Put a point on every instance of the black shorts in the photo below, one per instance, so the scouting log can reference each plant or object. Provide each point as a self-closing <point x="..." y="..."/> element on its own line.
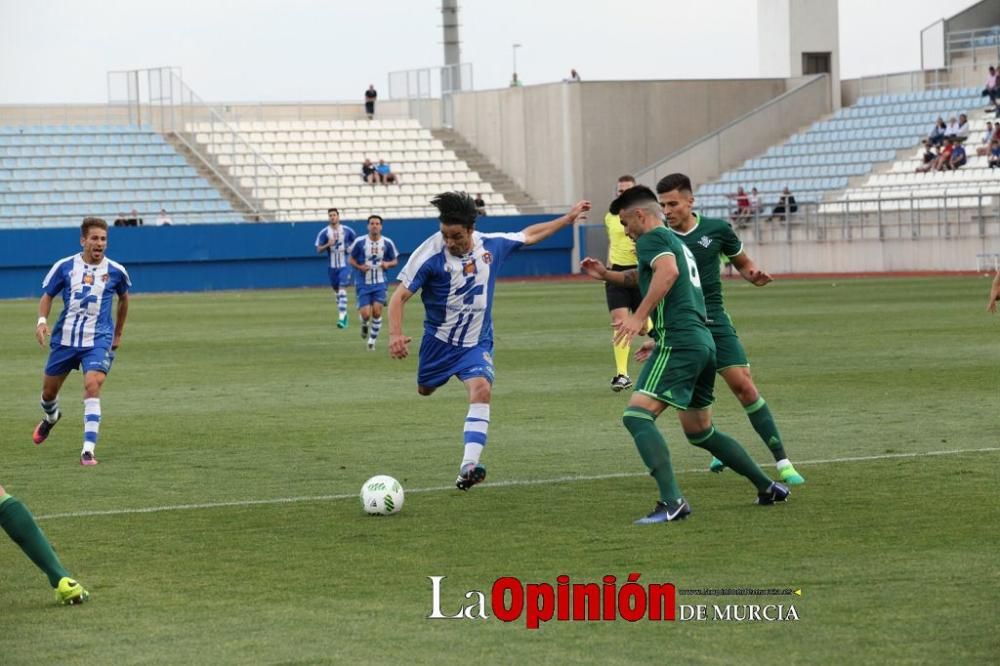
<point x="622" y="297"/>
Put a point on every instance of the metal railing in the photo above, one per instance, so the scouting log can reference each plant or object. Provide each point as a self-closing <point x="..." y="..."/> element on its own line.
<point x="158" y="98"/>
<point x="956" y="76"/>
<point x="980" y="44"/>
<point x="951" y="215"/>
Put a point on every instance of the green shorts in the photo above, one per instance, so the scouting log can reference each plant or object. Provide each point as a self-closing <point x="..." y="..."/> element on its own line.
<point x="682" y="378"/>
<point x="729" y="350"/>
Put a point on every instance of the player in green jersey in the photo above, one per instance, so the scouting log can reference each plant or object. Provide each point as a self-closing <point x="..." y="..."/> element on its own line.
<point x="680" y="359"/>
<point x="709" y="241"/>
<point x="20" y="526"/>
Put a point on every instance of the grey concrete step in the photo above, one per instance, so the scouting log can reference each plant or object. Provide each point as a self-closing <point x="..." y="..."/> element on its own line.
<point x="498" y="180"/>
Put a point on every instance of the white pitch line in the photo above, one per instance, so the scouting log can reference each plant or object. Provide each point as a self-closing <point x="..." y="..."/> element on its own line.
<point x="497" y="484"/>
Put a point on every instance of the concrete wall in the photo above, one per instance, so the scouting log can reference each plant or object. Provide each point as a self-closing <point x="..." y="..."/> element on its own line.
<point x="788" y="28"/>
<point x="871" y="255"/>
<point x="746" y="137"/>
<point x="562" y="141"/>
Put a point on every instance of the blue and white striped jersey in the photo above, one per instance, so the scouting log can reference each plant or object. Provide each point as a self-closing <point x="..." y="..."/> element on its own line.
<point x="87" y="292"/>
<point x="343" y="238"/>
<point x="458" y="291"/>
<point x="371" y="252"/>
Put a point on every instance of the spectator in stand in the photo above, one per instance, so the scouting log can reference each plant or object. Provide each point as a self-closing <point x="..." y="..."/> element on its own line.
<point x="574" y="76"/>
<point x="480" y="205"/>
<point x="385" y="174"/>
<point x="786" y="206"/>
<point x="984" y="144"/>
<point x="164" y="219"/>
<point x="120" y="220"/>
<point x="936" y="136"/>
<point x="942" y="160"/>
<point x="742" y="213"/>
<point x="951" y="131"/>
<point x="994" y="158"/>
<point x="930" y="154"/>
<point x="992" y="88"/>
<point x="755" y="205"/>
<point x="958" y="158"/>
<point x="368" y="172"/>
<point x="370" y="96"/>
<point x="963" y="128"/>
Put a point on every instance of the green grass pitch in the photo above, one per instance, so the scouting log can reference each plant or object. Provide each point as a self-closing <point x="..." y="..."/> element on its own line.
<point x="246" y="424"/>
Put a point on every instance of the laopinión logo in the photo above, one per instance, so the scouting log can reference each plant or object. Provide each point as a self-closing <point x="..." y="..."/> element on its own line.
<point x="509" y="600"/>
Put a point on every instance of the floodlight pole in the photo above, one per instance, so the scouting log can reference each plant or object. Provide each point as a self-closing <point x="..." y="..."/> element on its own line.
<point x="514" y="49"/>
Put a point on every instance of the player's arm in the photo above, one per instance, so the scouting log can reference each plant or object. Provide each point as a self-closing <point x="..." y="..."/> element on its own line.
<point x="42" y="328"/>
<point x="665" y="273"/>
<point x="536" y="233"/>
<point x="598" y="271"/>
<point x="991" y="306"/>
<point x="749" y="270"/>
<point x="120" y="317"/>
<point x="360" y="267"/>
<point x="397" y="340"/>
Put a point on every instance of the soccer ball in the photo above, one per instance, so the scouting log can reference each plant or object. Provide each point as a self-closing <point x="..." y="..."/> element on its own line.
<point x="381" y="495"/>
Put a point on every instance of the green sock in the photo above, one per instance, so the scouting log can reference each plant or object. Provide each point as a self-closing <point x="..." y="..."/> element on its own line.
<point x="641" y="424"/>
<point x="762" y="421"/>
<point x="20" y="526"/>
<point x="729" y="451"/>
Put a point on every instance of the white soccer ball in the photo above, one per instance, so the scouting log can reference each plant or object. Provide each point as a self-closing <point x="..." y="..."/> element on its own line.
<point x="381" y="495"/>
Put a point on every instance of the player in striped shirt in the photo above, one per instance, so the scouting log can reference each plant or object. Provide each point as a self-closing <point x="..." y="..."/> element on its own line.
<point x="85" y="336"/>
<point x="372" y="255"/>
<point x="335" y="239"/>
<point x="456" y="272"/>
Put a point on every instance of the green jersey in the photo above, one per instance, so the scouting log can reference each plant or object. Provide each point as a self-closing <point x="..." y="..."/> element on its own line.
<point x="709" y="240"/>
<point x="679" y="319"/>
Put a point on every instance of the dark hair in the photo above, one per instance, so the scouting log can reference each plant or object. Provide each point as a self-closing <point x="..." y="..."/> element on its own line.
<point x="90" y="222"/>
<point x="375" y="217"/>
<point x="674" y="181"/>
<point x="626" y="179"/>
<point x="456" y="208"/>
<point x="632" y="196"/>
<point x="332" y="210"/>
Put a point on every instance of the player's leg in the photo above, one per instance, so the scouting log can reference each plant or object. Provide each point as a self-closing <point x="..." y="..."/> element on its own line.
<point x="618" y="308"/>
<point x="93" y="381"/>
<point x="61" y="361"/>
<point x="338" y="282"/>
<point x="696" y="421"/>
<point x="364" y="314"/>
<point x="376" y="318"/>
<point x="20" y="526"/>
<point x="740" y="382"/>
<point x="474" y="367"/>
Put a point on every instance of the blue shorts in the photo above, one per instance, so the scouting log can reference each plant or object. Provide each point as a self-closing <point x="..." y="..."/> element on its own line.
<point x="62" y="360"/>
<point x="339" y="277"/>
<point x="369" y="294"/>
<point x="439" y="362"/>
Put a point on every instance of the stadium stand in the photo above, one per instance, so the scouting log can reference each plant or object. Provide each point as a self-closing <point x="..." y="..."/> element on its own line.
<point x="319" y="163"/>
<point x="54" y="175"/>
<point x="819" y="164"/>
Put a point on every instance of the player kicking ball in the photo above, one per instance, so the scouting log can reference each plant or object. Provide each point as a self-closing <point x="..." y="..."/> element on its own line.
<point x="455" y="271"/>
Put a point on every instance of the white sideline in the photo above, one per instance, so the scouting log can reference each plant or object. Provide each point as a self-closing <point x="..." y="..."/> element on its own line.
<point x="498" y="484"/>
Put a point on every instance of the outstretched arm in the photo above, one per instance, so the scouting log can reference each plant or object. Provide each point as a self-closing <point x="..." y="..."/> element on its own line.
<point x="397" y="341"/>
<point x="599" y="271"/>
<point x="994" y="293"/>
<point x="749" y="270"/>
<point x="536" y="233"/>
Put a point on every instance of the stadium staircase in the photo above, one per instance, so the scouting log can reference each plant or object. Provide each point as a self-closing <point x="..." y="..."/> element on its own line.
<point x="54" y="175"/>
<point x="501" y="182"/>
<point x="863" y="151"/>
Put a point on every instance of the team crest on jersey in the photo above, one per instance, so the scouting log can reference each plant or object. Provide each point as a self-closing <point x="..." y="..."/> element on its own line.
<point x="469" y="268"/>
<point x="704" y="241"/>
<point x="105" y="277"/>
<point x="88" y="278"/>
<point x="487" y="258"/>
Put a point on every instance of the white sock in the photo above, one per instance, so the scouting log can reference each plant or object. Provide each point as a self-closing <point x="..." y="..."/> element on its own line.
<point x="91" y="423"/>
<point x="477" y="423"/>
<point x="783" y="463"/>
